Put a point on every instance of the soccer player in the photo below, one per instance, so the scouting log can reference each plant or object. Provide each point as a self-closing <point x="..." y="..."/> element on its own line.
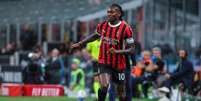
<point x="116" y="41"/>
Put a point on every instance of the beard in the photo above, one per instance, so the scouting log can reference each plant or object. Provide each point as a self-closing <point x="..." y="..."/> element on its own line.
<point x="112" y="20"/>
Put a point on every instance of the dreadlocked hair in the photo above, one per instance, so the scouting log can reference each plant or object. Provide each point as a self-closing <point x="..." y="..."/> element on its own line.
<point x="119" y="8"/>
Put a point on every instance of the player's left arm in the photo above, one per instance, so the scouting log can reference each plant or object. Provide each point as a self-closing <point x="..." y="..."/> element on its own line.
<point x="129" y="50"/>
<point x="129" y="43"/>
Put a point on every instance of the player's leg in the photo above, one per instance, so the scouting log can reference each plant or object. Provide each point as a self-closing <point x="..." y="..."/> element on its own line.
<point x="121" y="91"/>
<point x="128" y="86"/>
<point x="104" y="79"/>
<point x="119" y="84"/>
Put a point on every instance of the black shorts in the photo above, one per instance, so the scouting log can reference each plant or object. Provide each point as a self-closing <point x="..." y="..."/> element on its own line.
<point x="117" y="76"/>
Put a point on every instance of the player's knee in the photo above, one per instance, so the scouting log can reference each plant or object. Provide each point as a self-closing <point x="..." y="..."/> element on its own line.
<point x="121" y="95"/>
<point x="104" y="84"/>
<point x="121" y="92"/>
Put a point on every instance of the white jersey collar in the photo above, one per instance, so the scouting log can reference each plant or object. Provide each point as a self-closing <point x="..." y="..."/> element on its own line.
<point x="115" y="24"/>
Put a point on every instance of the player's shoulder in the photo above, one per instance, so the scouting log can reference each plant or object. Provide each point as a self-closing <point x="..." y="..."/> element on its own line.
<point x="128" y="27"/>
<point x="126" y="23"/>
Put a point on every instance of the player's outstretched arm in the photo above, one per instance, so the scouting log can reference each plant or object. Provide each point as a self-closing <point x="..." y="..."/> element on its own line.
<point x="90" y="38"/>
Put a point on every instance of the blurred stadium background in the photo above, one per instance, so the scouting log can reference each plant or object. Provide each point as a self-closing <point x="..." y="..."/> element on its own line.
<point x="29" y="26"/>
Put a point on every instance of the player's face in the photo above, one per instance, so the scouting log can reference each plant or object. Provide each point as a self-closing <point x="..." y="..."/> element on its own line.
<point x="113" y="14"/>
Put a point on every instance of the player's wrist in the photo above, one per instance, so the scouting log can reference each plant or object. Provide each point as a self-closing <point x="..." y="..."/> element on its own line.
<point x="119" y="51"/>
<point x="116" y="51"/>
<point x="80" y="43"/>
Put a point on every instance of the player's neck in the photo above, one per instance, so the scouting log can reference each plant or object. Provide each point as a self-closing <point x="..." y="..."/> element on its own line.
<point x="115" y="23"/>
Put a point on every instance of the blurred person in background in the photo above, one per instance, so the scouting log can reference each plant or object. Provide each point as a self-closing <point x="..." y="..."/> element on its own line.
<point x="158" y="60"/>
<point x="77" y="54"/>
<point x="35" y="70"/>
<point x="142" y="74"/>
<point x="114" y="33"/>
<point x="93" y="48"/>
<point x="86" y="58"/>
<point x="77" y="82"/>
<point x="160" y="69"/>
<point x="9" y="49"/>
<point x="146" y="73"/>
<point x="86" y="65"/>
<point x="54" y="68"/>
<point x="136" y="72"/>
<point x="184" y="73"/>
<point x="65" y="61"/>
<point x="71" y="55"/>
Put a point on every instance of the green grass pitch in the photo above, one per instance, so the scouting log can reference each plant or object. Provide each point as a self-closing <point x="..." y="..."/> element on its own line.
<point x="51" y="99"/>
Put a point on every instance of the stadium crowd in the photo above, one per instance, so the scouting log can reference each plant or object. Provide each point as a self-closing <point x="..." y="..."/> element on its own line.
<point x="150" y="69"/>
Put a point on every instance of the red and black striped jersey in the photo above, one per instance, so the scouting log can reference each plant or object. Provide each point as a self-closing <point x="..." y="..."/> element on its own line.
<point x="114" y="36"/>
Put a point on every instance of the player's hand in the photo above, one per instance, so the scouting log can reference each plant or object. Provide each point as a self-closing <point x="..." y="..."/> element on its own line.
<point x="111" y="51"/>
<point x="75" y="46"/>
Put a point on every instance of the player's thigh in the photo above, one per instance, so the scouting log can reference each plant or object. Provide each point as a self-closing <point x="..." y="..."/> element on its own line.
<point x="119" y="80"/>
<point x="121" y="90"/>
<point x="118" y="77"/>
<point x="104" y="79"/>
<point x="104" y="75"/>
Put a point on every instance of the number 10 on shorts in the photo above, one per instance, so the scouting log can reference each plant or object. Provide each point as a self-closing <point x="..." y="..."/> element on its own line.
<point x="121" y="76"/>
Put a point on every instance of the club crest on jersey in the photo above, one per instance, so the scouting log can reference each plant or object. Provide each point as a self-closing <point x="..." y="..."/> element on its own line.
<point x="103" y="31"/>
<point x="109" y="41"/>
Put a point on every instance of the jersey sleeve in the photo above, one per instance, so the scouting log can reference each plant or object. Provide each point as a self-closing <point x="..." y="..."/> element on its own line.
<point x="129" y="35"/>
